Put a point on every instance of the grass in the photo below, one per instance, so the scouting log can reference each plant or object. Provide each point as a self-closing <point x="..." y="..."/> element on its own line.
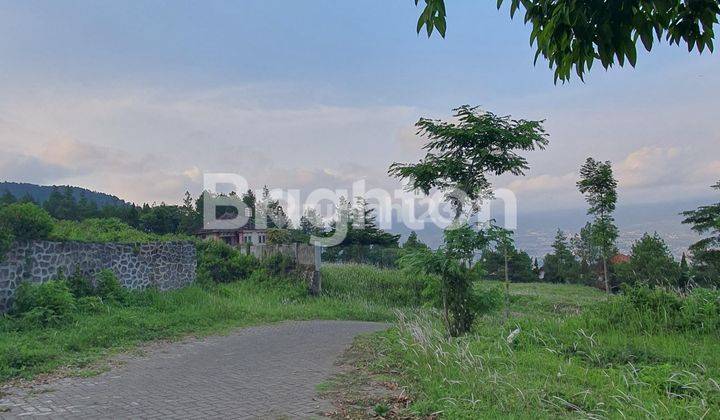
<point x="561" y="364"/>
<point x="573" y="352"/>
<point x="151" y="315"/>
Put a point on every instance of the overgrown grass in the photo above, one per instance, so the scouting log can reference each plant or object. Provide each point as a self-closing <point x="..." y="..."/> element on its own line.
<point x="106" y="230"/>
<point x="373" y="285"/>
<point x="98" y="329"/>
<point x="564" y="362"/>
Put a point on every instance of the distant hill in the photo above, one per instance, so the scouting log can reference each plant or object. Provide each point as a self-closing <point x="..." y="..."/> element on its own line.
<point x="40" y="193"/>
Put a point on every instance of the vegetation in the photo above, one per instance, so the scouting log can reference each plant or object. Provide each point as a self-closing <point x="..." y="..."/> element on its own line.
<point x="706" y="252"/>
<point x="572" y="35"/>
<point x="221" y="263"/>
<point x="25" y="221"/>
<point x="460" y="156"/>
<point x="561" y="266"/>
<point x="105" y="230"/>
<point x="567" y="352"/>
<point x="52" y="328"/>
<point x="650" y="264"/>
<point x="600" y="189"/>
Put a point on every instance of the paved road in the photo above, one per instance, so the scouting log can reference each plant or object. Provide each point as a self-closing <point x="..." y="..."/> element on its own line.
<point x="259" y="372"/>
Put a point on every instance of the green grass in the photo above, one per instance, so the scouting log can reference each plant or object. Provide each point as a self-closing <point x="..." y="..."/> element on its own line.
<point x="557" y="366"/>
<point x="566" y="361"/>
<point x="151" y="315"/>
<point x="366" y="283"/>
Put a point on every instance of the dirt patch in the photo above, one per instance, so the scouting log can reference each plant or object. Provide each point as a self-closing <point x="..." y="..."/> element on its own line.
<point x="358" y="393"/>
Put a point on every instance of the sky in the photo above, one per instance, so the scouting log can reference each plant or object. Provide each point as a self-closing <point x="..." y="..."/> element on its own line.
<point x="140" y="98"/>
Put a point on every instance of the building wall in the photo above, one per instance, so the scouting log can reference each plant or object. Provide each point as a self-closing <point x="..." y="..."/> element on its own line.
<point x="165" y="265"/>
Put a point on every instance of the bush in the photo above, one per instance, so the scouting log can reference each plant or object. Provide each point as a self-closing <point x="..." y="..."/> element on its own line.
<point x="49" y="303"/>
<point x="109" y="289"/>
<point x="278" y="265"/>
<point x="79" y="285"/>
<point x="26" y="221"/>
<point x="221" y="263"/>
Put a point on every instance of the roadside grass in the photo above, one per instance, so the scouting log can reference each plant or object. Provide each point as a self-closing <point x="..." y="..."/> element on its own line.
<point x="563" y="363"/>
<point x="100" y="330"/>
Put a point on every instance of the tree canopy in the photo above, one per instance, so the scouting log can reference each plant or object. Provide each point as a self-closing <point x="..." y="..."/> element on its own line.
<point x="572" y="34"/>
<point x="461" y="155"/>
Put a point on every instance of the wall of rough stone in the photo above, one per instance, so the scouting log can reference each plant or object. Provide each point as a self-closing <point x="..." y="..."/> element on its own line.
<point x="165" y="265"/>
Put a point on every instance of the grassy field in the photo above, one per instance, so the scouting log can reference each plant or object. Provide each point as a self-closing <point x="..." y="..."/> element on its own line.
<point x="563" y="361"/>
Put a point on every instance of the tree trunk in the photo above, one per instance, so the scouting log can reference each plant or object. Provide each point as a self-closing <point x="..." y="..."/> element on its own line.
<point x="605" y="273"/>
<point x="507" y="287"/>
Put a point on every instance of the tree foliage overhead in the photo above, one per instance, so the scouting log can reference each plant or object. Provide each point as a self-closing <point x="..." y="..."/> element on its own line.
<point x="573" y="34"/>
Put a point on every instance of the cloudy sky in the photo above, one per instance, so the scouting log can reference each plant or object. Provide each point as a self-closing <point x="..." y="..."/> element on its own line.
<point x="139" y="98"/>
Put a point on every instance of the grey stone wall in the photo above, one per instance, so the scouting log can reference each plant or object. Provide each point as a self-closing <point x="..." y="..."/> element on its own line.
<point x="165" y="265"/>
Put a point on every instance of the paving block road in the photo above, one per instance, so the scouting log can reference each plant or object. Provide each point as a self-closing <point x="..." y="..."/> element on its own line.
<point x="259" y="372"/>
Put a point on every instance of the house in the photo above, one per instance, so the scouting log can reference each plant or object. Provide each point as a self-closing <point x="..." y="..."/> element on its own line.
<point x="248" y="234"/>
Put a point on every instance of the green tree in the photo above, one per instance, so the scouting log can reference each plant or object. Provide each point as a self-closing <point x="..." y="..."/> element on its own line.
<point x="26" y="221"/>
<point x="460" y="155"/>
<point x="451" y="263"/>
<point x="705" y="220"/>
<point x="190" y="218"/>
<point x="413" y="242"/>
<point x="600" y="189"/>
<point x="561" y="266"/>
<point x="651" y="263"/>
<point x="7" y="198"/>
<point x="572" y="35"/>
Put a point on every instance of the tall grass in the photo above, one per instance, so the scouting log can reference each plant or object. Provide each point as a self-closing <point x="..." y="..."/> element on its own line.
<point x="560" y="364"/>
<point x="373" y="285"/>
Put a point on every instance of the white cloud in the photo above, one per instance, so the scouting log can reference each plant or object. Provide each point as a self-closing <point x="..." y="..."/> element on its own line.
<point x="152" y="146"/>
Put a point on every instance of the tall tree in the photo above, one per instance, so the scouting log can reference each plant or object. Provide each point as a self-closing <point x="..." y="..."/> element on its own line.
<point x="571" y="34"/>
<point x="600" y="189"/>
<point x="561" y="266"/>
<point x="705" y="220"/>
<point x="459" y="158"/>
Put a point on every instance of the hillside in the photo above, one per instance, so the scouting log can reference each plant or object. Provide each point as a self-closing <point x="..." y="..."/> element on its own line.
<point x="40" y="193"/>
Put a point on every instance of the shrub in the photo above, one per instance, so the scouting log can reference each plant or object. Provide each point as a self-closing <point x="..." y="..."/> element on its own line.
<point x="90" y="304"/>
<point x="109" y="289"/>
<point x="26" y="221"/>
<point x="79" y="285"/>
<point x="221" y="263"/>
<point x="278" y="265"/>
<point x="43" y="304"/>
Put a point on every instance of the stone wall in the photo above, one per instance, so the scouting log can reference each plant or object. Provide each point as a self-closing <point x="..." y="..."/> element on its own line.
<point x="165" y="265"/>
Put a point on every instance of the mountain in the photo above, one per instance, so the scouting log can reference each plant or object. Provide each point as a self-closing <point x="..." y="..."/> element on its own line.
<point x="40" y="193"/>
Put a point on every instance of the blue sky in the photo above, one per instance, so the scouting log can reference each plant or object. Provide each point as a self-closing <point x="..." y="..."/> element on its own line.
<point x="138" y="98"/>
